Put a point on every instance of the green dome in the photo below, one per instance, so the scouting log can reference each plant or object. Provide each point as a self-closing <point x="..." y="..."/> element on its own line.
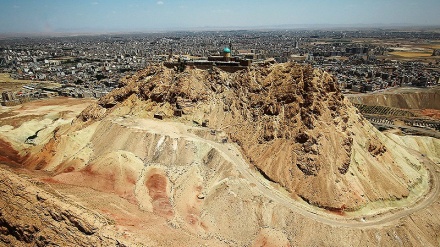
<point x="227" y="50"/>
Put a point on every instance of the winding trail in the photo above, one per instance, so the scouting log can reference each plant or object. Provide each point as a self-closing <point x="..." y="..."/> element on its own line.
<point x="231" y="153"/>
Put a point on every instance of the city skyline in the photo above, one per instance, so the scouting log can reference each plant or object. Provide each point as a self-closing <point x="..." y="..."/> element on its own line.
<point x="48" y="16"/>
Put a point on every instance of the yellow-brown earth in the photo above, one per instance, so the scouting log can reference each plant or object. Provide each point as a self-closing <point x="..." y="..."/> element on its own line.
<point x="269" y="156"/>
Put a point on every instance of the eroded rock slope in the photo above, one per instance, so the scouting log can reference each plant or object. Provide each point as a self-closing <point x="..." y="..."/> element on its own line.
<point x="291" y="123"/>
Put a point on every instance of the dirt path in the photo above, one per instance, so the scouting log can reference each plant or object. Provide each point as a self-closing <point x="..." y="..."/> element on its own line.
<point x="230" y="152"/>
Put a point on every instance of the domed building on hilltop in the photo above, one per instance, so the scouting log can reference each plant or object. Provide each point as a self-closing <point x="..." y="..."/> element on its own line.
<point x="224" y="61"/>
<point x="227" y="53"/>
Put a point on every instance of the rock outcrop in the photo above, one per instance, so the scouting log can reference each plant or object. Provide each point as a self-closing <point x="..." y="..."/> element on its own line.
<point x="291" y="122"/>
<point x="30" y="216"/>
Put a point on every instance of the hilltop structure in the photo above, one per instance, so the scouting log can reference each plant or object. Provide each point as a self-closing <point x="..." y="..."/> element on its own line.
<point x="225" y="61"/>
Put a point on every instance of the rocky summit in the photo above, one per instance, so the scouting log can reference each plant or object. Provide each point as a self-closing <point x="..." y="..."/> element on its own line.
<point x="263" y="156"/>
<point x="290" y="121"/>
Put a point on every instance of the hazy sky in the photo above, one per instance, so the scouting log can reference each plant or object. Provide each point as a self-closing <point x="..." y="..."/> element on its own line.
<point x="144" y="15"/>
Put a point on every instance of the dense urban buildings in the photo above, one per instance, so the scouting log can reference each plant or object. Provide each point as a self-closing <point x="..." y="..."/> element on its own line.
<point x="91" y="66"/>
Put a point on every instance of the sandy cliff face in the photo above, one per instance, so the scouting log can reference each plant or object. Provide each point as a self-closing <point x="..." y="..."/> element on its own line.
<point x="290" y="121"/>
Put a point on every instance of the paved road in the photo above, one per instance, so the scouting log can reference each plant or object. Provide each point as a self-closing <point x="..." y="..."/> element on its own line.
<point x="416" y="130"/>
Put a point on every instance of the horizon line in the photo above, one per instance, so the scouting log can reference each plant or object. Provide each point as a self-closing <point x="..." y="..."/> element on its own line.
<point x="290" y="27"/>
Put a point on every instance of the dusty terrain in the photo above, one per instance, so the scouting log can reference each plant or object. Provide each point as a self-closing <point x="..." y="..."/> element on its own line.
<point x="405" y="98"/>
<point x="10" y="84"/>
<point x="410" y="109"/>
<point x="265" y="157"/>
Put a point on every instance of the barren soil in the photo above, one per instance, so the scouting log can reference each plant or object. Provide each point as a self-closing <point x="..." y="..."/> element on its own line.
<point x="281" y="157"/>
<point x="405" y="98"/>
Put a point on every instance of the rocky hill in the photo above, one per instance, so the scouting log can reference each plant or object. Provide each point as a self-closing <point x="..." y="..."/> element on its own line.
<point x="269" y="156"/>
<point x="290" y="121"/>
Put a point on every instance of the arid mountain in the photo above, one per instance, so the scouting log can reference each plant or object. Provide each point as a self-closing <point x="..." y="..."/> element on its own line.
<point x="291" y="123"/>
<point x="269" y="155"/>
